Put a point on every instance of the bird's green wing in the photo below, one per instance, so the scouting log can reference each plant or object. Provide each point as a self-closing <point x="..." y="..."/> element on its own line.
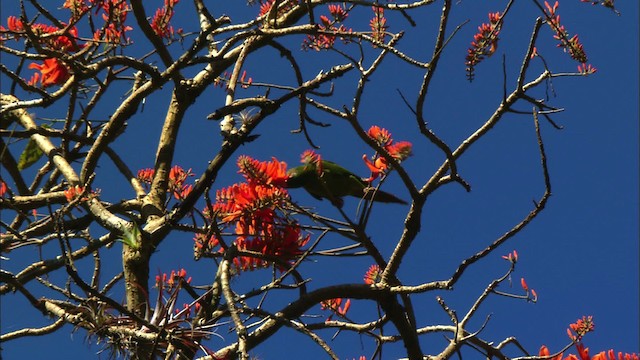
<point x="334" y="182"/>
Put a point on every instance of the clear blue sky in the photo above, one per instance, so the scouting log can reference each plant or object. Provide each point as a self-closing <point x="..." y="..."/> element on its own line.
<point x="581" y="254"/>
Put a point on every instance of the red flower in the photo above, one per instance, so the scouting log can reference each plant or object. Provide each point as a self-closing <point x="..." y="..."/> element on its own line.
<point x="52" y="72"/>
<point x="173" y="279"/>
<point x="484" y="44"/>
<point x="399" y="151"/>
<point x="160" y="21"/>
<point x="310" y="157"/>
<point x="610" y="355"/>
<point x="326" y="41"/>
<point x="73" y="191"/>
<point x="273" y="172"/>
<point x="114" y="13"/>
<point x="377" y="167"/>
<point x="570" y="45"/>
<point x="265" y="7"/>
<point x="264" y="234"/>
<point x="380" y="135"/>
<point x="334" y="305"/>
<point x="512" y="256"/>
<point x="244" y="82"/>
<point x="378" y="24"/>
<point x="580" y="328"/>
<point x="146" y="175"/>
<point x="245" y="199"/>
<point x="284" y="6"/>
<point x="372" y="276"/>
<point x="3" y="188"/>
<point x="65" y="42"/>
<point x="15" y="24"/>
<point x="77" y="8"/>
<point x="203" y="245"/>
<point x="586" y="69"/>
<point x="583" y="352"/>
<point x="338" y="12"/>
<point x="253" y="207"/>
<point x="544" y="351"/>
<point x="177" y="177"/>
<point x="531" y="293"/>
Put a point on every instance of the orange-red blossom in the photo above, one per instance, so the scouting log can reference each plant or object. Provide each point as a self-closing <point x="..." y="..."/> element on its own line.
<point x="583" y="354"/>
<point x="336" y="306"/>
<point x="379" y="165"/>
<point x="51" y="72"/>
<point x="372" y="276"/>
<point x="3" y="188"/>
<point x="253" y="209"/>
<point x="177" y="178"/>
<point x="576" y="331"/>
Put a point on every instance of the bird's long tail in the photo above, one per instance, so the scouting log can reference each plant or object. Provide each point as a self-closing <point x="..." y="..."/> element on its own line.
<point x="382" y="196"/>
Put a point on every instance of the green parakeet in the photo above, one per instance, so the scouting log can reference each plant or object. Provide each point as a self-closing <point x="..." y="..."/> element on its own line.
<point x="334" y="182"/>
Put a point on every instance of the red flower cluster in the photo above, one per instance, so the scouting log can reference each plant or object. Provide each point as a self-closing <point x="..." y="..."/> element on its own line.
<point x="52" y="37"/>
<point x="160" y="21"/>
<point x="372" y="276"/>
<point x="611" y="355"/>
<point x="253" y="209"/>
<point x="177" y="178"/>
<point x="511" y="257"/>
<point x="236" y="200"/>
<point x="583" y="354"/>
<point x="73" y="191"/>
<point x="531" y="293"/>
<point x="77" y="7"/>
<point x="266" y="234"/>
<point x="335" y="306"/>
<point x="284" y="6"/>
<point x="170" y="316"/>
<point x="52" y="71"/>
<point x="581" y="327"/>
<point x="378" y="24"/>
<point x="224" y="79"/>
<point x="173" y="279"/>
<point x="586" y="69"/>
<point x="571" y="45"/>
<point x="268" y="173"/>
<point x="114" y="14"/>
<point x="337" y="14"/>
<point x="310" y="157"/>
<point x="3" y="188"/>
<point x="484" y="44"/>
<point x="378" y="164"/>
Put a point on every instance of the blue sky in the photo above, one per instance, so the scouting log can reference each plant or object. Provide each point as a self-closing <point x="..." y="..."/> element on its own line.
<point x="580" y="254"/>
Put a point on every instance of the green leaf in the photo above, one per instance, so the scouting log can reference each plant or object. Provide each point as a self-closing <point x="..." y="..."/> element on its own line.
<point x="30" y="155"/>
<point x="130" y="237"/>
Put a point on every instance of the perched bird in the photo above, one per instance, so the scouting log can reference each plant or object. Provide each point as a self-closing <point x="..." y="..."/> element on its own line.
<point x="331" y="181"/>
